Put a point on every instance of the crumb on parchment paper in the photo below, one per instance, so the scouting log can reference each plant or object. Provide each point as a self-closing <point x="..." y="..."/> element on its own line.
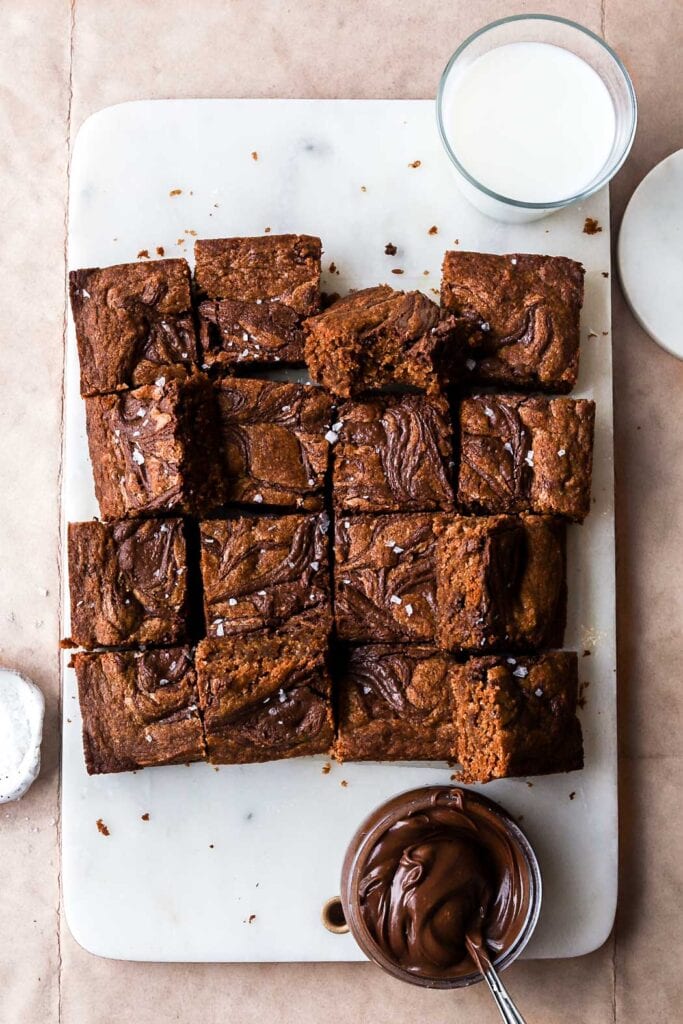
<point x="143" y="254"/>
<point x="390" y="249"/>
<point x="415" y="164"/>
<point x="175" y="192"/>
<point x="102" y="828"/>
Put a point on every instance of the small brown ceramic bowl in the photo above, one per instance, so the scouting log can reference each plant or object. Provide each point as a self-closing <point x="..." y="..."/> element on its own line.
<point x="493" y="827"/>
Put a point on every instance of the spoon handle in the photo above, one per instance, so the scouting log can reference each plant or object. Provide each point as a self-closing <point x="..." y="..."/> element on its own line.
<point x="501" y="996"/>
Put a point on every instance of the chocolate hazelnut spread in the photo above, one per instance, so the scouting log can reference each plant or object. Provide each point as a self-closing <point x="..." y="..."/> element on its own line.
<point x="431" y="869"/>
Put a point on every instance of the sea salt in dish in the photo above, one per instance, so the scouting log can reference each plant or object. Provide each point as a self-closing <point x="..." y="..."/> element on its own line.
<point x="535" y="112"/>
<point x="22" y="707"/>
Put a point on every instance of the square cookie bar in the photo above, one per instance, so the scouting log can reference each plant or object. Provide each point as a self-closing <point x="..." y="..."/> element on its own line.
<point x="396" y="703"/>
<point x="255" y="293"/>
<point x="385" y="578"/>
<point x="128" y="582"/>
<point x="522" y="313"/>
<point x="274" y="441"/>
<point x="517" y="716"/>
<point x="378" y="337"/>
<point x="500" y="582"/>
<point x="261" y="572"/>
<point x="139" y="709"/>
<point x="526" y="454"/>
<point x="394" y="454"/>
<point x="265" y="696"/>
<point x="134" y="324"/>
<point x="154" y="449"/>
<point x="266" y="268"/>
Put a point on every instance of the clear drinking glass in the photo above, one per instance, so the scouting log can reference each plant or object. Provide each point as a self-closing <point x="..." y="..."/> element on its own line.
<point x="542" y="28"/>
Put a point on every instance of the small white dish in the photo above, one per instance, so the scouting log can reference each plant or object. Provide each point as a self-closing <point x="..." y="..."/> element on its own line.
<point x="22" y="709"/>
<point x="650" y="254"/>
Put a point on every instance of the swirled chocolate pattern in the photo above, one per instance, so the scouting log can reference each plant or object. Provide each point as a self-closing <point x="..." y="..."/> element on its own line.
<point x="133" y="323"/>
<point x="523" y="313"/>
<point x="441" y="871"/>
<point x="526" y="454"/>
<point x="259" y="572"/>
<point x="396" y="704"/>
<point x="265" y="696"/>
<point x="128" y="582"/>
<point x="155" y="449"/>
<point x="233" y="332"/>
<point x="139" y="709"/>
<point x="393" y="455"/>
<point x="384" y="578"/>
<point x="274" y="441"/>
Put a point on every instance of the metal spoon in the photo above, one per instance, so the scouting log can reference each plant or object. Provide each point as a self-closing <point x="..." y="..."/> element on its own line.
<point x="501" y="996"/>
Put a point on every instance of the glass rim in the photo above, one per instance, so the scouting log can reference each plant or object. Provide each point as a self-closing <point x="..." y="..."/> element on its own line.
<point x="610" y="169"/>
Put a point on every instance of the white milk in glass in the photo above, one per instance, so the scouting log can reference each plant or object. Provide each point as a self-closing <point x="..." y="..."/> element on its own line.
<point x="530" y="121"/>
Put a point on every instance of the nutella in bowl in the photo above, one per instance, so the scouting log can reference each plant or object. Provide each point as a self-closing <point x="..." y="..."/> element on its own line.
<point x="430" y="868"/>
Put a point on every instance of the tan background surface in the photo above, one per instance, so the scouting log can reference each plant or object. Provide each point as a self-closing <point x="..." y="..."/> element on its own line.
<point x="59" y="62"/>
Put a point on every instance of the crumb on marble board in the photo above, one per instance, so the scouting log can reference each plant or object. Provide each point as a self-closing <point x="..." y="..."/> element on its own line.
<point x="572" y="794"/>
<point x="396" y="270"/>
<point x="160" y="250"/>
<point x="145" y="816"/>
<point x="390" y="249"/>
<point x="591" y="226"/>
<point x="415" y="164"/>
<point x="175" y="192"/>
<point x="102" y="828"/>
<point x="326" y="769"/>
<point x="343" y="783"/>
<point x="143" y="254"/>
<point x="254" y="155"/>
<point x="433" y="230"/>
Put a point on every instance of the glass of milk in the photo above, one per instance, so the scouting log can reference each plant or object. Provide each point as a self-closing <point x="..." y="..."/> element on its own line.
<point x="535" y="113"/>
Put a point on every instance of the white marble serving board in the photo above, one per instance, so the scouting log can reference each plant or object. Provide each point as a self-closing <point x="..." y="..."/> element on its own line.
<point x="268" y="840"/>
